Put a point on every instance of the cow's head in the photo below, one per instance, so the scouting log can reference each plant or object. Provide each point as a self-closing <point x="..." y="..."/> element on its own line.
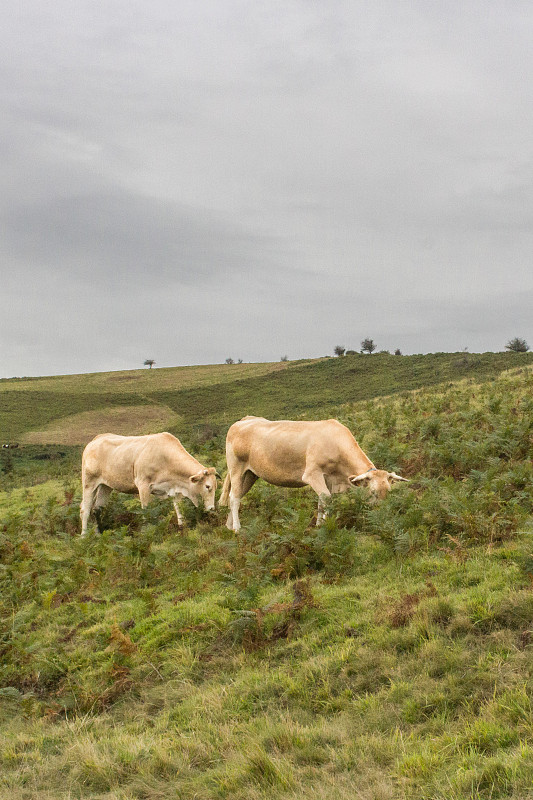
<point x="378" y="481"/>
<point x="202" y="486"/>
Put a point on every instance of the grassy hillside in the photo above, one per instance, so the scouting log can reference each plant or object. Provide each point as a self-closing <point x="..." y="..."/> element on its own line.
<point x="141" y="381"/>
<point x="78" y="429"/>
<point x="199" y="403"/>
<point x="319" y="387"/>
<point x="387" y="654"/>
<point x="33" y="404"/>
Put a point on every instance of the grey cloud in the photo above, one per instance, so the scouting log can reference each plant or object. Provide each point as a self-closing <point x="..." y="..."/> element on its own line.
<point x="117" y="237"/>
<point x="193" y="179"/>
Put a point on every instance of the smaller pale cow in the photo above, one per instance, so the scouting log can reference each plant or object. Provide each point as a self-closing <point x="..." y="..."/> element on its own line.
<point x="322" y="454"/>
<point x="156" y="464"/>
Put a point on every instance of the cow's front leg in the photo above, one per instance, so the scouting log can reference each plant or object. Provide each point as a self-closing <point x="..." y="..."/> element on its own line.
<point x="317" y="482"/>
<point x="322" y="512"/>
<point x="179" y="515"/>
<point x="144" y="493"/>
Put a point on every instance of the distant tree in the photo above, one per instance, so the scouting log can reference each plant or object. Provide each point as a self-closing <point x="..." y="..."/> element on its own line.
<point x="339" y="350"/>
<point x="517" y="345"/>
<point x="368" y="346"/>
<point x="239" y="361"/>
<point x="149" y="362"/>
<point x="230" y="361"/>
<point x="351" y="353"/>
<point x="284" y="358"/>
<point x="397" y="352"/>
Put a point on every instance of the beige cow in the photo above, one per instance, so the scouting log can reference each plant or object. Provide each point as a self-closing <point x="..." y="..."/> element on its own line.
<point x="323" y="455"/>
<point x="156" y="464"/>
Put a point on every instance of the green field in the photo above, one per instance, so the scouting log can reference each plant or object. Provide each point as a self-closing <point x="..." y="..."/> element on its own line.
<point x="56" y="410"/>
<point x="32" y="404"/>
<point x="387" y="654"/>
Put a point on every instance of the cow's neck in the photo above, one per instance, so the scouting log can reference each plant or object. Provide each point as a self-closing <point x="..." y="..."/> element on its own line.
<point x="172" y="485"/>
<point x="360" y="462"/>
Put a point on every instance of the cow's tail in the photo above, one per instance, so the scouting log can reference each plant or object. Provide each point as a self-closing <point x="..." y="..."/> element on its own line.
<point x="224" y="497"/>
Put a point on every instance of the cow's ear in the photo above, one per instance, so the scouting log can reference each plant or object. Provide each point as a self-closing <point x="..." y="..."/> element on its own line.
<point x="196" y="478"/>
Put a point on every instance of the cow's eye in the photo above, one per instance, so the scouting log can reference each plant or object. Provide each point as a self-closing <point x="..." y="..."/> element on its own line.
<point x="207" y="488"/>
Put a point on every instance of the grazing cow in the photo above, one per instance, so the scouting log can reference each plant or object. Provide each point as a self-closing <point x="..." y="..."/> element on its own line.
<point x="323" y="455"/>
<point x="156" y="464"/>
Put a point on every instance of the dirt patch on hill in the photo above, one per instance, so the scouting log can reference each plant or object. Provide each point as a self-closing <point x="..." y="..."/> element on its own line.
<point x="126" y="420"/>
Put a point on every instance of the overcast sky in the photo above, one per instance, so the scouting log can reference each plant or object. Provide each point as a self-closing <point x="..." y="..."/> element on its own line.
<point x="188" y="181"/>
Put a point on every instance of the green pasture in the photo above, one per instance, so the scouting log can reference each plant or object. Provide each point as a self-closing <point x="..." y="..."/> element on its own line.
<point x="221" y="393"/>
<point x="387" y="654"/>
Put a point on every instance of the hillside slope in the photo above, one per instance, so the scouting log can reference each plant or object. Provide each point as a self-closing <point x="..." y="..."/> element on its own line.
<point x="387" y="654"/>
<point x="34" y="404"/>
<point x="42" y="409"/>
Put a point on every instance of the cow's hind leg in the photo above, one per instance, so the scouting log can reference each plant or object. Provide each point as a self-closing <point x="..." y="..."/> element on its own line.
<point x="241" y="483"/>
<point x="102" y="496"/>
<point x="87" y="503"/>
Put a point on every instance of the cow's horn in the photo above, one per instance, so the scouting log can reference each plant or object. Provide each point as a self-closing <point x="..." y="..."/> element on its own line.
<point x="357" y="478"/>
<point x="398" y="477"/>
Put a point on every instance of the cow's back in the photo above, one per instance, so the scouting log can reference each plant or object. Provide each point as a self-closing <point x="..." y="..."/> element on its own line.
<point x="164" y="452"/>
<point x="121" y="461"/>
<point x="111" y="458"/>
<point x="279" y="450"/>
<point x="298" y="435"/>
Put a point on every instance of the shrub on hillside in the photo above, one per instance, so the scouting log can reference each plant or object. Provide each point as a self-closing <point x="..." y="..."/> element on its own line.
<point x="517" y="345"/>
<point x="469" y="450"/>
<point x="290" y="547"/>
<point x="368" y="345"/>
